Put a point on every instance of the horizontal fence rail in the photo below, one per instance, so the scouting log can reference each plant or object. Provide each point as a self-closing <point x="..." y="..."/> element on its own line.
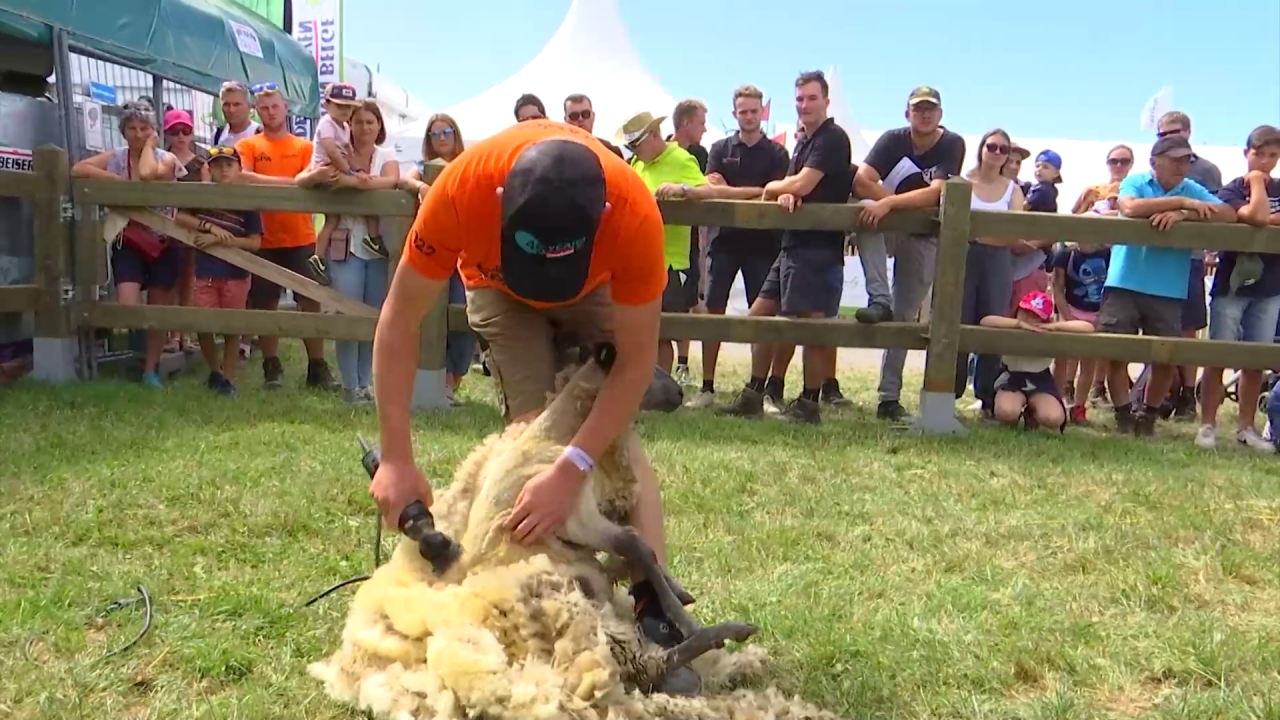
<point x="953" y="223"/>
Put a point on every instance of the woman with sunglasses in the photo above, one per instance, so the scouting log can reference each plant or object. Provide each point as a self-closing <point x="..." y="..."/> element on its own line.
<point x="140" y="259"/>
<point x="441" y="145"/>
<point x="1119" y="163"/>
<point x="988" y="278"/>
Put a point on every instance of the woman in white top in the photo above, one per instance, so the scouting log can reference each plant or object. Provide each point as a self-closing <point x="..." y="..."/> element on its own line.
<point x="356" y="271"/>
<point x="988" y="280"/>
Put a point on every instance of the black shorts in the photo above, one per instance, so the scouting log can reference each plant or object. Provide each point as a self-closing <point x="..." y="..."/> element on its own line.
<point x="1195" y="312"/>
<point x="695" y="273"/>
<point x="726" y="266"/>
<point x="1125" y="312"/>
<point x="1031" y="384"/>
<point x="806" y="282"/>
<point x="262" y="291"/>
<point x="130" y="266"/>
<point x="675" y="298"/>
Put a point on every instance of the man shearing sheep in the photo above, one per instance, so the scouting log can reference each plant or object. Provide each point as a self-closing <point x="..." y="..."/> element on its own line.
<point x="559" y="244"/>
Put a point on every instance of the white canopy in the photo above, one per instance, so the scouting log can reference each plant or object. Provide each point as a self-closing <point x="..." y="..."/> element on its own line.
<point x="589" y="54"/>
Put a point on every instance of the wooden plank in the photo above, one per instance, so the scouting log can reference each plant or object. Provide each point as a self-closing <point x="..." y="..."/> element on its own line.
<point x="19" y="298"/>
<point x="787" y="331"/>
<point x="327" y="297"/>
<point x="282" y="323"/>
<point x="1133" y="348"/>
<point x="90" y="254"/>
<point x="52" y="241"/>
<point x="810" y="216"/>
<point x="244" y="197"/>
<point x="1128" y="231"/>
<point x="16" y="184"/>
<point x="948" y="290"/>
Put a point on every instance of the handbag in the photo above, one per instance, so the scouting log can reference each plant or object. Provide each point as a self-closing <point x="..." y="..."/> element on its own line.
<point x="140" y="237"/>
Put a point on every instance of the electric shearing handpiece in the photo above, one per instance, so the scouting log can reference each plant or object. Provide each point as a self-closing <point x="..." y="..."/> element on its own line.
<point x="416" y="522"/>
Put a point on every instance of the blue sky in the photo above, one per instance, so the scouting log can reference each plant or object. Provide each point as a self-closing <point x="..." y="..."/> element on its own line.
<point x="1075" y="70"/>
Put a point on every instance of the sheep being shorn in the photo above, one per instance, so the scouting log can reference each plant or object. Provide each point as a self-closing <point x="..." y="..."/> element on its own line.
<point x="535" y="632"/>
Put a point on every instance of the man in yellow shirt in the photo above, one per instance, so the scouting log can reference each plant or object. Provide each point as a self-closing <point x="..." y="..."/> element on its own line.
<point x="671" y="173"/>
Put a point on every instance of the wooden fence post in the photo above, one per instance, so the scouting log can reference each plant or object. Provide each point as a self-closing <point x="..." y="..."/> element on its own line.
<point x="55" y="352"/>
<point x="937" y="399"/>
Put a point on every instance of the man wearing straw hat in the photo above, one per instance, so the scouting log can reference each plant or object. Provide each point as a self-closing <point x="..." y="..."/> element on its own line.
<point x="559" y="244"/>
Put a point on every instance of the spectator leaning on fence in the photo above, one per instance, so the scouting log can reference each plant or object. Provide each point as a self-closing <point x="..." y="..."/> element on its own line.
<point x="356" y="269"/>
<point x="218" y="283"/>
<point x="1146" y="284"/>
<point x="745" y="161"/>
<point x="141" y="259"/>
<point x="690" y="122"/>
<point x="179" y="139"/>
<point x="276" y="157"/>
<point x="906" y="168"/>
<point x="1195" y="314"/>
<point x="1245" y="303"/>
<point x="442" y="144"/>
<point x="988" y="275"/>
<point x="578" y="237"/>
<point x="236" y="108"/>
<point x="807" y="278"/>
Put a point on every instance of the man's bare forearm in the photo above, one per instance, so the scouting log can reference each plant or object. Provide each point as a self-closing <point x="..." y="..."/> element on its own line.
<point x="395" y="358"/>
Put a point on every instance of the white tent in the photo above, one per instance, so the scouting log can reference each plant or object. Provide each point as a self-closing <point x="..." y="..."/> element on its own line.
<point x="589" y="54"/>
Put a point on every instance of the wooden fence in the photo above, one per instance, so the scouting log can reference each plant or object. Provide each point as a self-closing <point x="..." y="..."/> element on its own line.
<point x="71" y="260"/>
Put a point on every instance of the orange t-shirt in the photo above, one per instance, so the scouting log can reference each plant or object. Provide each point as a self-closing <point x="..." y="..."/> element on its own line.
<point x="285" y="157"/>
<point x="460" y="222"/>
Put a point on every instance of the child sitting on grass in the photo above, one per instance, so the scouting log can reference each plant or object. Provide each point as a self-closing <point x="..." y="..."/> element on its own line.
<point x="1025" y="389"/>
<point x="332" y="147"/>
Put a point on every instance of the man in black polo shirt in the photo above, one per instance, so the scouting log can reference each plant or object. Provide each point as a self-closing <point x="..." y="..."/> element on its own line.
<point x="906" y="168"/>
<point x="808" y="277"/>
<point x="745" y="161"/>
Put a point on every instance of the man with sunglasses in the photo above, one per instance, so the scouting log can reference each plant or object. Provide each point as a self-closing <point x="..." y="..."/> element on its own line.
<point x="560" y="245"/>
<point x="578" y="112"/>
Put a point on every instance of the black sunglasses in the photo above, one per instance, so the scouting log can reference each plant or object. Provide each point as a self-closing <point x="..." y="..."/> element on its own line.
<point x="1120" y="161"/>
<point x="997" y="148"/>
<point x="577" y="115"/>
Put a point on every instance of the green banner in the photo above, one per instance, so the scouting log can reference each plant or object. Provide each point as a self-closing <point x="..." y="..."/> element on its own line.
<point x="272" y="10"/>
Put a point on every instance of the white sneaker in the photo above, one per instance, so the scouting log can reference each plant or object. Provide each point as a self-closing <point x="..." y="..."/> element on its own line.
<point x="771" y="407"/>
<point x="703" y="399"/>
<point x="682" y="376"/>
<point x="1207" y="437"/>
<point x="1252" y="440"/>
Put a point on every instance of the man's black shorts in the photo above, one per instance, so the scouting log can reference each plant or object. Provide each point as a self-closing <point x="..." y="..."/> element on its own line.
<point x="676" y="296"/>
<point x="806" y="282"/>
<point x="725" y="267"/>
<point x="262" y="291"/>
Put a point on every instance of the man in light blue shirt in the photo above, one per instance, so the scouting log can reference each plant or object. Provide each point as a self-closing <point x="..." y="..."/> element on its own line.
<point x="1146" y="285"/>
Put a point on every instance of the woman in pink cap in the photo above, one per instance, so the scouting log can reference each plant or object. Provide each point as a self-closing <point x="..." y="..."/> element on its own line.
<point x="179" y="139"/>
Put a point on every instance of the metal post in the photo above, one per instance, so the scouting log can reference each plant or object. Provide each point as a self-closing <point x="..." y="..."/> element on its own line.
<point x="66" y="99"/>
<point x="157" y="94"/>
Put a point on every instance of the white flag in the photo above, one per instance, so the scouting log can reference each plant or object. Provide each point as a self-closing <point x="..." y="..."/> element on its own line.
<point x="317" y="26"/>
<point x="1158" y="105"/>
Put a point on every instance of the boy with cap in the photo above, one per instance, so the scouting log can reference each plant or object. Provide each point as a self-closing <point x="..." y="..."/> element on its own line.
<point x="1146" y="284"/>
<point x="218" y="283"/>
<point x="560" y="245"/>
<point x="1245" y="297"/>
<point x="332" y="147"/>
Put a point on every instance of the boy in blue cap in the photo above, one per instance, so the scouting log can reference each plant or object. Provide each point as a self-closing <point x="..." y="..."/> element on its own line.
<point x="1044" y="194"/>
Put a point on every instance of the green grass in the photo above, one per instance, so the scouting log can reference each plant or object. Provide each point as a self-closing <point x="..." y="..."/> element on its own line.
<point x="994" y="576"/>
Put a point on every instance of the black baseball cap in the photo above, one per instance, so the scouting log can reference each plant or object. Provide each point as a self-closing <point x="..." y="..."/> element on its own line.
<point x="1175" y="146"/>
<point x="552" y="200"/>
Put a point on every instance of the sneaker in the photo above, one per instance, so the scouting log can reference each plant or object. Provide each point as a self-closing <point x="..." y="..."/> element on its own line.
<point x="319" y="272"/>
<point x="1144" y="423"/>
<point x="682" y="376"/>
<point x="1079" y="414"/>
<point x="354" y="396"/>
<point x="451" y="397"/>
<point x="152" y="379"/>
<point x="1124" y="419"/>
<point x="702" y="400"/>
<point x="831" y="396"/>
<point x="891" y="410"/>
<point x="748" y="404"/>
<point x="367" y="392"/>
<point x="219" y="384"/>
<point x="802" y="410"/>
<point x="272" y="373"/>
<point x="245" y="350"/>
<point x="373" y="243"/>
<point x="874" y="313"/>
<point x="773" y="402"/>
<point x="319" y="376"/>
<point x="1207" y="437"/>
<point x="1252" y="440"/>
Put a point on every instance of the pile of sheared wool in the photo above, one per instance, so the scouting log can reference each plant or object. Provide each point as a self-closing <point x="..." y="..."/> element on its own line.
<point x="524" y="633"/>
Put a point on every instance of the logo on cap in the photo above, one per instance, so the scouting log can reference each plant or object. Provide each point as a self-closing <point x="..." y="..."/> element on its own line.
<point x="534" y="246"/>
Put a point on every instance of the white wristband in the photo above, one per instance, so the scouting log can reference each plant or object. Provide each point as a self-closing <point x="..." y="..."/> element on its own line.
<point x="579" y="458"/>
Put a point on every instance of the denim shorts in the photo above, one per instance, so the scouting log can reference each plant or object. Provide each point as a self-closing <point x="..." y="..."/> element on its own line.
<point x="1244" y="319"/>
